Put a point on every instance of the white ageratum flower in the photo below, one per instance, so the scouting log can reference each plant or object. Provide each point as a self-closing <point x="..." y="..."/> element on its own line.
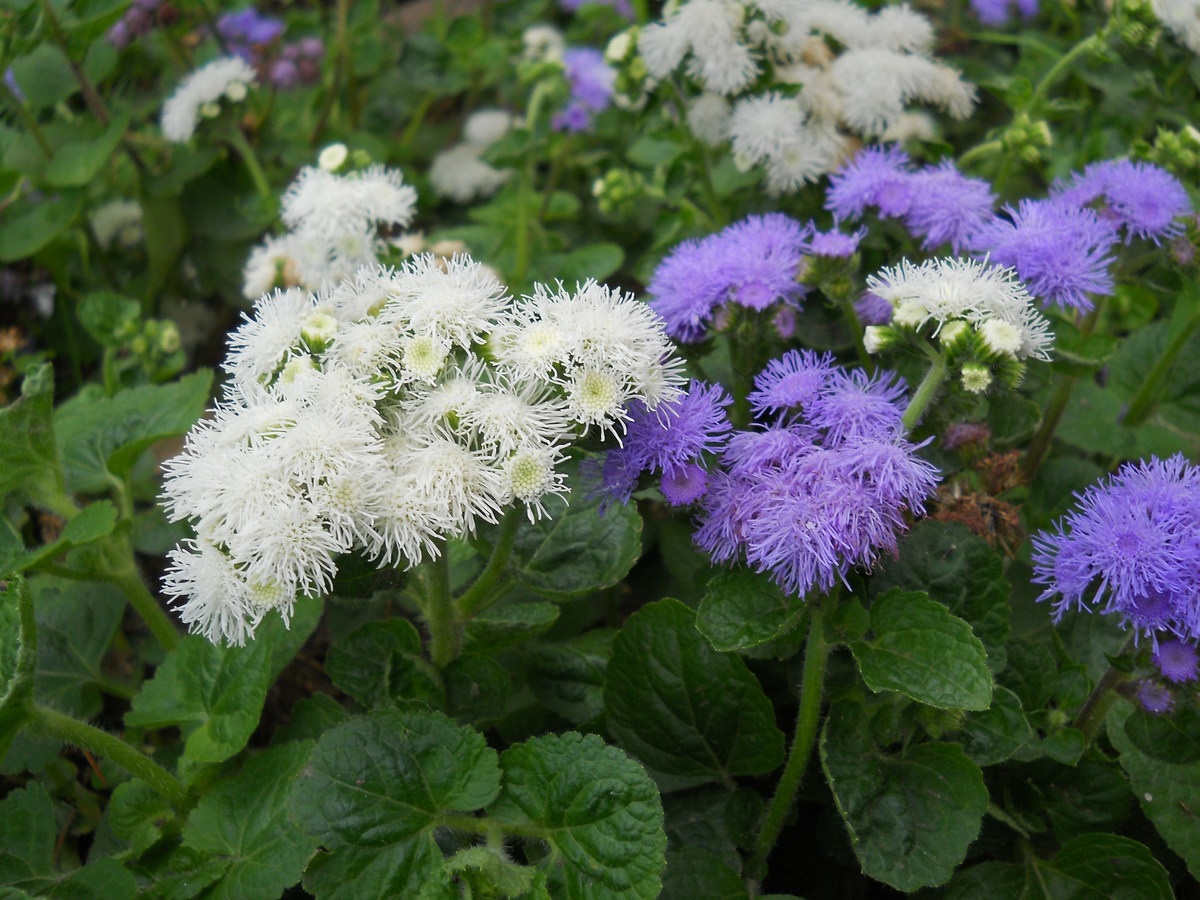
<point x="708" y="118"/>
<point x="200" y="93"/>
<point x="332" y="157"/>
<point x="327" y="204"/>
<point x="945" y="289"/>
<point x="708" y="33"/>
<point x="1182" y="18"/>
<point x="457" y="300"/>
<point x="486" y="126"/>
<point x="118" y="222"/>
<point x="263" y="342"/>
<point x="530" y="475"/>
<point x="460" y="175"/>
<point x="877" y="84"/>
<point x="543" y="43"/>
<point x="771" y="129"/>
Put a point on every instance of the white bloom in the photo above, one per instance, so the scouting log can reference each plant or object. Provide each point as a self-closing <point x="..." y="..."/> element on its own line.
<point x="1182" y="17"/>
<point x="529" y="475"/>
<point x="329" y="205"/>
<point x="267" y="265"/>
<point x="458" y="300"/>
<point x="207" y="85"/>
<point x="459" y="174"/>
<point x="597" y="397"/>
<point x="261" y="345"/>
<point x="542" y="43"/>
<point x="119" y="222"/>
<point x="876" y="84"/>
<point x="486" y="126"/>
<point x="976" y="378"/>
<point x="332" y="157"/>
<point x="820" y="150"/>
<point x="765" y="126"/>
<point x="940" y="290"/>
<point x="507" y="416"/>
<point x="895" y="28"/>
<point x="708" y="117"/>
<point x="1003" y="338"/>
<point x="216" y="600"/>
<point x="423" y="356"/>
<point x="454" y="478"/>
<point x="708" y="33"/>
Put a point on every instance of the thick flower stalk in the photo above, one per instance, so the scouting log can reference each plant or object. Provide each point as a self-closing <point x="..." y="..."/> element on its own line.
<point x="387" y="415"/>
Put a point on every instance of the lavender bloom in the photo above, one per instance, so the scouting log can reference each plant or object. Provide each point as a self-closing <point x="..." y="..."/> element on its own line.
<point x="1131" y="548"/>
<point x="997" y="12"/>
<point x="794" y="380"/>
<point x="753" y="262"/>
<point x="10" y="79"/>
<point x="1142" y="198"/>
<point x="672" y="439"/>
<point x="1176" y="661"/>
<point x="858" y="405"/>
<point x="872" y="309"/>
<point x="247" y="27"/>
<point x="947" y="206"/>
<point x="876" y="176"/>
<point x="1061" y="252"/>
<point x="621" y="7"/>
<point x="835" y="243"/>
<point x="592" y="81"/>
<point x="1154" y="697"/>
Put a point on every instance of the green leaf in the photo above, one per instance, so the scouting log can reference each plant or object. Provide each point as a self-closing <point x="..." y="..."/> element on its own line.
<point x="596" y="808"/>
<point x="28" y="454"/>
<point x="489" y="871"/>
<point x="958" y="569"/>
<point x="214" y="694"/>
<point x="743" y="609"/>
<point x="713" y="820"/>
<point x="1094" y="866"/>
<point x="576" y="549"/>
<point x="684" y="709"/>
<point x="507" y="624"/>
<point x="910" y="815"/>
<point x="373" y="793"/>
<point x="568" y="678"/>
<point x="44" y="76"/>
<point x="993" y="735"/>
<point x="994" y="880"/>
<point x="381" y="662"/>
<point x="693" y="872"/>
<point x="77" y="164"/>
<point x="244" y="820"/>
<point x="650" y="152"/>
<point x="108" y="317"/>
<point x="166" y="233"/>
<point x="101" y="435"/>
<point x="1087" y="796"/>
<point x="924" y="652"/>
<point x="477" y="690"/>
<point x="25" y="233"/>
<point x="137" y="815"/>
<point x="1166" y="791"/>
<point x="1173" y="738"/>
<point x="596" y="261"/>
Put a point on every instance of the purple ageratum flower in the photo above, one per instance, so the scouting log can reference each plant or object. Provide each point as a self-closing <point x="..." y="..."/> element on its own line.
<point x="671" y="440"/>
<point x="761" y="258"/>
<point x="857" y="405"/>
<point x="1060" y="251"/>
<point x="621" y="7"/>
<point x="248" y="27"/>
<point x="10" y="80"/>
<point x="835" y="243"/>
<point x="791" y="381"/>
<point x="872" y="309"/>
<point x="876" y="176"/>
<point x="947" y="206"/>
<point x="1154" y="697"/>
<point x="997" y="12"/>
<point x="1142" y="198"/>
<point x="1176" y="660"/>
<point x="592" y="81"/>
<point x="685" y="288"/>
<point x="1132" y="548"/>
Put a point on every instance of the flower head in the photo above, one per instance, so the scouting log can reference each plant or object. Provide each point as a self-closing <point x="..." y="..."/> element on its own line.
<point x="591" y="80"/>
<point x="1176" y="660"/>
<point x="199" y="94"/>
<point x="876" y="176"/>
<point x="1143" y="199"/>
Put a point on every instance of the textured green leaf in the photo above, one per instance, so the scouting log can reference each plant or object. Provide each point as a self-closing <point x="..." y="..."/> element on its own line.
<point x="596" y="261"/>
<point x="1104" y="867"/>
<point x="958" y="569"/>
<point x="108" y="317"/>
<point x="1091" y="795"/>
<point x="137" y="815"/>
<point x="395" y="870"/>
<point x="714" y="820"/>
<point x="1173" y="738"/>
<point x="994" y="880"/>
<point x="384" y="778"/>
<point x="28" y="456"/>
<point x="598" y="810"/>
<point x="692" y="872"/>
<point x="508" y="624"/>
<point x="488" y="873"/>
<point x="1166" y="791"/>
<point x="244" y="820"/>
<point x="1092" y="422"/>
<point x="684" y="709"/>
<point x="568" y="678"/>
<point x="993" y="735"/>
<point x="214" y="694"/>
<point x="923" y="651"/>
<point x="576" y="549"/>
<point x="77" y="163"/>
<point x="99" y="434"/>
<point x="166" y="232"/>
<point x="95" y="521"/>
<point x="477" y="690"/>
<point x="743" y="609"/>
<point x="26" y="232"/>
<point x="45" y="76"/>
<point x="381" y="662"/>
<point x="910" y="815"/>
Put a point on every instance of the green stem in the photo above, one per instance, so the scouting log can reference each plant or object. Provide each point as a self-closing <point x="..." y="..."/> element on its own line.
<point x="987" y="148"/>
<point x="416" y="120"/>
<point x="445" y="629"/>
<point x="250" y="159"/>
<point x="27" y="119"/>
<point x="1039" y="444"/>
<point x="926" y="390"/>
<point x="1085" y="46"/>
<point x="146" y="604"/>
<point x="480" y="595"/>
<point x="1150" y="391"/>
<point x="846" y="302"/>
<point x="812" y="680"/>
<point x="94" y="103"/>
<point x="80" y="734"/>
<point x="1094" y="708"/>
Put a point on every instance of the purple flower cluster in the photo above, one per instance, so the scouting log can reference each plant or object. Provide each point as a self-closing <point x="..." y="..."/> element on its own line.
<point x="754" y="262"/>
<point x="997" y="12"/>
<point x="1060" y="251"/>
<point x="592" y="81"/>
<point x="254" y="37"/>
<point x="623" y="8"/>
<point x="1144" y="200"/>
<point x="938" y="203"/>
<point x="823" y="488"/>
<point x="138" y="21"/>
<point x="1131" y="548"/>
<point x="672" y="441"/>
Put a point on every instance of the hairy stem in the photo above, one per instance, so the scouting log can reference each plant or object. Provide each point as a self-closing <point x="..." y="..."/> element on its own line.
<point x="926" y="390"/>
<point x="480" y="595"/>
<point x="1150" y="390"/>
<point x="445" y="629"/>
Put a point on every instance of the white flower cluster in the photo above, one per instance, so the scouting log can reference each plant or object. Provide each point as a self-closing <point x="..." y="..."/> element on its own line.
<point x="200" y="94"/>
<point x="459" y="173"/>
<point x="777" y="88"/>
<point x="1182" y="18"/>
<point x="334" y="227"/>
<point x="387" y="415"/>
<point x="983" y="316"/>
